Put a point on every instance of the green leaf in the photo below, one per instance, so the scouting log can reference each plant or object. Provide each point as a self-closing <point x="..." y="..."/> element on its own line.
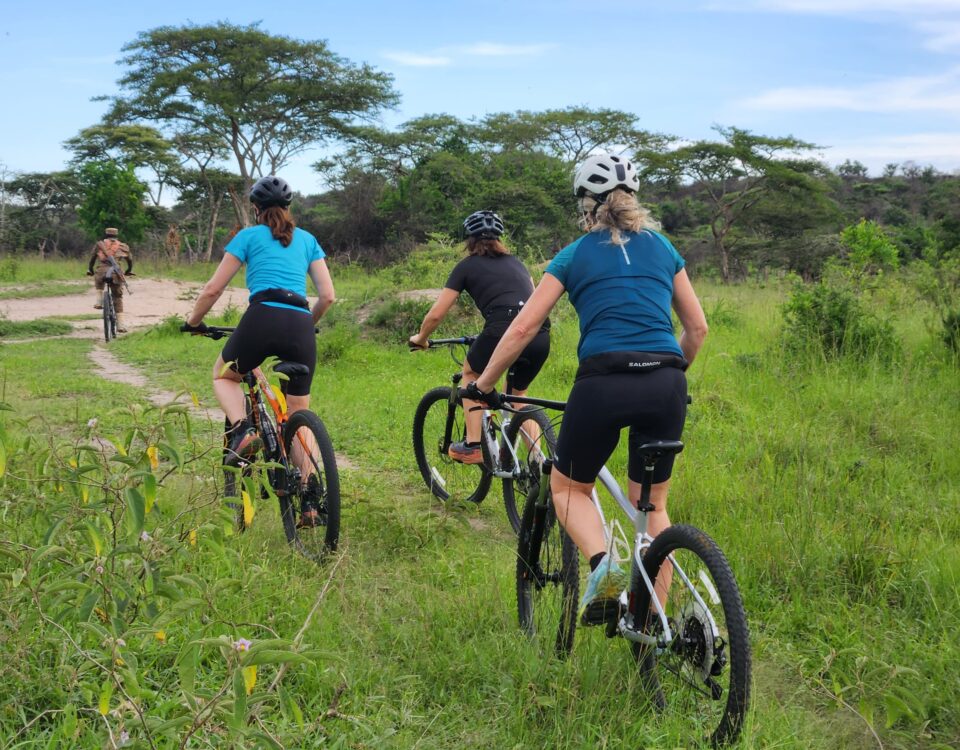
<point x="52" y="531"/>
<point x="239" y="700"/>
<point x="150" y="491"/>
<point x="87" y="605"/>
<point x="136" y="507"/>
<point x="275" y="657"/>
<point x="3" y="458"/>
<point x="172" y="454"/>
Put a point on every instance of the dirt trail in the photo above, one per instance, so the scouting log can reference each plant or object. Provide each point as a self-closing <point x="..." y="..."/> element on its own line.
<point x="150" y="302"/>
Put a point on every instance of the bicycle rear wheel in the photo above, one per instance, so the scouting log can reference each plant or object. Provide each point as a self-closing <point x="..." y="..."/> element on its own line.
<point x="548" y="579"/>
<point x="704" y="673"/>
<point x="109" y="314"/>
<point x="531" y="435"/>
<point x="445" y="478"/>
<point x="317" y="483"/>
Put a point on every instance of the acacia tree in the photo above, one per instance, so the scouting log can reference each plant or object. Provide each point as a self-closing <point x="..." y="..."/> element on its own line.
<point x="735" y="175"/>
<point x="41" y="211"/>
<point x="569" y="134"/>
<point x="264" y="97"/>
<point x="138" y="146"/>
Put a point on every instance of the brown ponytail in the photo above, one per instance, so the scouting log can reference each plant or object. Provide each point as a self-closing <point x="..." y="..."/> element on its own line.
<point x="486" y="246"/>
<point x="280" y="222"/>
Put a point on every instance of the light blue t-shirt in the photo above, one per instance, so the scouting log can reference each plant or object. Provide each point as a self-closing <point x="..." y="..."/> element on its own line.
<point x="622" y="294"/>
<point x="270" y="265"/>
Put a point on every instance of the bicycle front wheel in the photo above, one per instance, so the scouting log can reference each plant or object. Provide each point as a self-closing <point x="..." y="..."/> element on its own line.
<point x="437" y="424"/>
<point x="109" y="315"/>
<point x="530" y="438"/>
<point x="704" y="672"/>
<point x="310" y="506"/>
<point x="548" y="579"/>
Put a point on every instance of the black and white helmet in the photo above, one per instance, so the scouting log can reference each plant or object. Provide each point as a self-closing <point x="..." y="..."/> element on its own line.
<point x="484" y="224"/>
<point x="601" y="173"/>
<point x="271" y="191"/>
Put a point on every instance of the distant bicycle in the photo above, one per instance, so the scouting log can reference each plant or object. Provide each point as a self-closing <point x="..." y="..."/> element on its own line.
<point x="298" y="459"/>
<point x="514" y="443"/>
<point x="113" y="275"/>
<point x="692" y="650"/>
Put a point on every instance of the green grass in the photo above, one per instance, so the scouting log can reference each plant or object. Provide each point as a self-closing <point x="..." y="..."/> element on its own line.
<point x="831" y="486"/>
<point x="22" y="329"/>
<point x="46" y="289"/>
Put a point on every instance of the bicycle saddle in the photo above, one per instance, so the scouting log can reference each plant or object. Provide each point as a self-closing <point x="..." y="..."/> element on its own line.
<point x="291" y="369"/>
<point x="658" y="448"/>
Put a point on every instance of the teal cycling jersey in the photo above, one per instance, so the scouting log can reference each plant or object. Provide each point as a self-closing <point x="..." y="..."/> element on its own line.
<point x="622" y="293"/>
<point x="270" y="265"/>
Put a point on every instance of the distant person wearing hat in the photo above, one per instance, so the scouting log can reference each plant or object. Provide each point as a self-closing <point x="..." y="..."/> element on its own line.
<point x="110" y="247"/>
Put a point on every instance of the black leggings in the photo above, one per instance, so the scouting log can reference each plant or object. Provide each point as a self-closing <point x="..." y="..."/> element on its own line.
<point x="652" y="404"/>
<point x="528" y="364"/>
<point x="266" y="331"/>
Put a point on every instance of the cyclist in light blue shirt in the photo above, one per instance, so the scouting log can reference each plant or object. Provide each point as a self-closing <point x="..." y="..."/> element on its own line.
<point x="279" y="321"/>
<point x="623" y="278"/>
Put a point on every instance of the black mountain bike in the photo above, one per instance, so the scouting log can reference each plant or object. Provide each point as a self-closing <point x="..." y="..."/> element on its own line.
<point x="113" y="275"/>
<point x="297" y="460"/>
<point x="514" y="444"/>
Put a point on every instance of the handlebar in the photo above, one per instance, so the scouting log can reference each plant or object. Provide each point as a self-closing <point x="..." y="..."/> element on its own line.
<point x="214" y="332"/>
<point x="434" y="343"/>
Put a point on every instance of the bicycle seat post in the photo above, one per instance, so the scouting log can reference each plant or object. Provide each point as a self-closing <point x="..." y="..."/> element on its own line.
<point x="643" y="504"/>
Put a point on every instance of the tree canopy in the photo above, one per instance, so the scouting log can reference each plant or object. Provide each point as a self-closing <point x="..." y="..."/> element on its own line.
<point x="264" y="97"/>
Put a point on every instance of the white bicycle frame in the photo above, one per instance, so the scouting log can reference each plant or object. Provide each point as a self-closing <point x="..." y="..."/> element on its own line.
<point x="617" y="546"/>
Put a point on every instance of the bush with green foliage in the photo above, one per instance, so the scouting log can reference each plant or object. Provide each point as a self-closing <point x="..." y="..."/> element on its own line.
<point x="830" y="320"/>
<point x="869" y="249"/>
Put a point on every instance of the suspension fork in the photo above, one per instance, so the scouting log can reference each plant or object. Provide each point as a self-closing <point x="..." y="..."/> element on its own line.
<point x="539" y="520"/>
<point x="452" y="412"/>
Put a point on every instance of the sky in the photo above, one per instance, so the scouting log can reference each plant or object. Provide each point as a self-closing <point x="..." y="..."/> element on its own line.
<point x="873" y="80"/>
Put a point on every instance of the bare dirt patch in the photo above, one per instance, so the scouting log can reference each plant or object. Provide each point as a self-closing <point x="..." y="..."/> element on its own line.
<point x="150" y="302"/>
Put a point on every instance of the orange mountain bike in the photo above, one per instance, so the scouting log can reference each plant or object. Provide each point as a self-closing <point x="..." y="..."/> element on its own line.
<point x="298" y="464"/>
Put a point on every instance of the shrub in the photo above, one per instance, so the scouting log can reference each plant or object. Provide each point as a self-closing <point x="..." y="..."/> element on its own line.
<point x="831" y="320"/>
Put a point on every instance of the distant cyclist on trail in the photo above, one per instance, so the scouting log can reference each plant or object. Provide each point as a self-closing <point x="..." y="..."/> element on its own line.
<point x="500" y="286"/>
<point x="279" y="321"/>
<point x="623" y="277"/>
<point x="110" y="247"/>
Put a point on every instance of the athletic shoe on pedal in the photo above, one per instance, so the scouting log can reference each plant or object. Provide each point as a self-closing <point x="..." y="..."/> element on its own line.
<point x="244" y="444"/>
<point x="465" y="454"/>
<point x="601" y="599"/>
<point x="312" y="513"/>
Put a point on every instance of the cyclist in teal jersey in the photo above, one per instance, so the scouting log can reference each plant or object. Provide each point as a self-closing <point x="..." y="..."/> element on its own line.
<point x="279" y="321"/>
<point x="623" y="277"/>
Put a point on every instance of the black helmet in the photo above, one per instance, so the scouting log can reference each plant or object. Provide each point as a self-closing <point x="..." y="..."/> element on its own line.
<point x="484" y="224"/>
<point x="271" y="191"/>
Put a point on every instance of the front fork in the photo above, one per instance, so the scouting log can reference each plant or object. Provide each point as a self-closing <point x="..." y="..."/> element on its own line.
<point x="538" y="526"/>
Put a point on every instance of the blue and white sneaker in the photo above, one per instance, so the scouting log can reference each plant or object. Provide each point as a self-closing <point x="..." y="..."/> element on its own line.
<point x="601" y="598"/>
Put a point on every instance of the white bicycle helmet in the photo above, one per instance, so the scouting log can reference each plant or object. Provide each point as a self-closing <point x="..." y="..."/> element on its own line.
<point x="601" y="173"/>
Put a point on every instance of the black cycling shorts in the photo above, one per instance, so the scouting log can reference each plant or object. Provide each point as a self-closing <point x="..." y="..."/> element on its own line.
<point x="266" y="331"/>
<point x="528" y="364"/>
<point x="652" y="404"/>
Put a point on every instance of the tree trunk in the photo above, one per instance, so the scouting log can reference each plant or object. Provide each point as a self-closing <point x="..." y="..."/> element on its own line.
<point x="212" y="227"/>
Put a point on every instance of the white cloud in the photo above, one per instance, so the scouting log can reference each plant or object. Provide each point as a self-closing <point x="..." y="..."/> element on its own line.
<point x="491" y="49"/>
<point x="839" y="7"/>
<point x="937" y="93"/>
<point x="450" y="55"/>
<point x="942" y="150"/>
<point x="418" y="61"/>
<point x="941" y="36"/>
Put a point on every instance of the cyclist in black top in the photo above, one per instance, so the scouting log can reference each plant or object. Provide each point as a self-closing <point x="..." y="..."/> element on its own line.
<point x="500" y="286"/>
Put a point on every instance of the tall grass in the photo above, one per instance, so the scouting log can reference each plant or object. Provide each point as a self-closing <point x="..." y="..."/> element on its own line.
<point x="832" y="485"/>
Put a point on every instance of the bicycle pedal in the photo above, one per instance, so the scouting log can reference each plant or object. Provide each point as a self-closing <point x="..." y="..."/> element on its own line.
<point x="601" y="612"/>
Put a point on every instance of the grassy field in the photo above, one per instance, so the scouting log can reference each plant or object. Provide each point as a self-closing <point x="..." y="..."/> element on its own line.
<point x="832" y="487"/>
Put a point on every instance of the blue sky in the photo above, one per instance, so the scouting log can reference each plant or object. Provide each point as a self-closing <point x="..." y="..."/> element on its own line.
<point x="874" y="80"/>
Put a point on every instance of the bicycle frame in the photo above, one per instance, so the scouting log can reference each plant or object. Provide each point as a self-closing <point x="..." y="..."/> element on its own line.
<point x="642" y="540"/>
